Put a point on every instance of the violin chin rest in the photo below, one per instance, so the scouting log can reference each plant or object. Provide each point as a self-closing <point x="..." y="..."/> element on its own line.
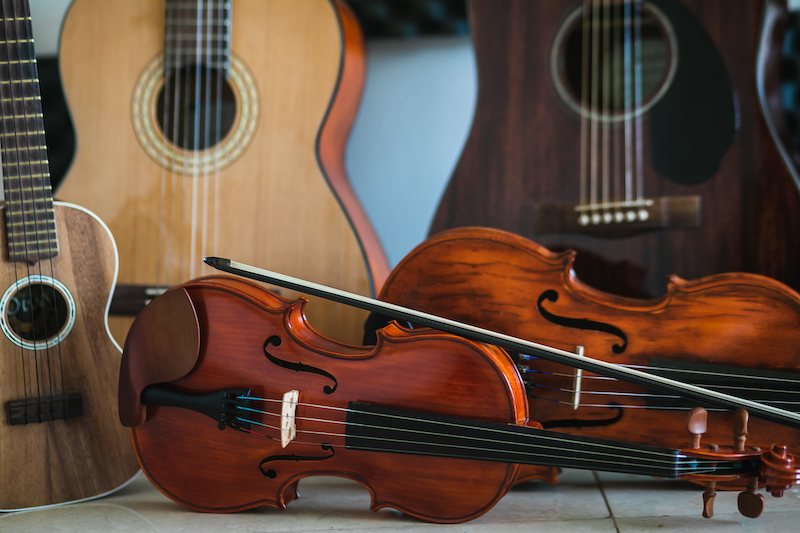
<point x="163" y="345"/>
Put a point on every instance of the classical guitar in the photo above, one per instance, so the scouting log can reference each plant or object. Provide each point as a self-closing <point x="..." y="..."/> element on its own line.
<point x="60" y="440"/>
<point x="198" y="130"/>
<point x="638" y="133"/>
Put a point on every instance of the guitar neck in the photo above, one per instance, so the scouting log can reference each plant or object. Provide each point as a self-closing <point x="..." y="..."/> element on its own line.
<point x="197" y="33"/>
<point x="30" y="218"/>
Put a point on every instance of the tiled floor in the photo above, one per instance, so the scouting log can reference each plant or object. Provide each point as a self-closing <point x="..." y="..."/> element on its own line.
<point x="584" y="501"/>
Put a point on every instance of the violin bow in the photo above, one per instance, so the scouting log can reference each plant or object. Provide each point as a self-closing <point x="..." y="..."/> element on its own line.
<point x="555" y="355"/>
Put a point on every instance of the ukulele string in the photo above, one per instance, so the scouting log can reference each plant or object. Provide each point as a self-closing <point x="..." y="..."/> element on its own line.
<point x="7" y="164"/>
<point x="620" y="454"/>
<point x="22" y="200"/>
<point x="46" y="195"/>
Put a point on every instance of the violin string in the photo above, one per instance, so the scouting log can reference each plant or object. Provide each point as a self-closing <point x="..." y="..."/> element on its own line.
<point x="561" y="439"/>
<point x="659" y="457"/>
<point x="674" y="370"/>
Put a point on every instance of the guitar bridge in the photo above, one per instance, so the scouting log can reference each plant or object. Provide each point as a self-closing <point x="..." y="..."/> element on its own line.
<point x="45" y="409"/>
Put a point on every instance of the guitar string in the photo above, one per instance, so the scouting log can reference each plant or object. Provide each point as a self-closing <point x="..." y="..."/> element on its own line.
<point x="616" y="131"/>
<point x="594" y="122"/>
<point x="208" y="51"/>
<point x="639" y="100"/>
<point x="605" y="113"/>
<point x="565" y="442"/>
<point x="226" y="14"/>
<point x="628" y="108"/>
<point x="584" y="170"/>
<point x="196" y="126"/>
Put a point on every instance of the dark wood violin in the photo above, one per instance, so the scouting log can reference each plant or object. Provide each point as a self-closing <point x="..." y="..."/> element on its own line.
<point x="733" y="332"/>
<point x="233" y="397"/>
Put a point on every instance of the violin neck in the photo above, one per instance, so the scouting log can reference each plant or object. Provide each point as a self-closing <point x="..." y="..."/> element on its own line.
<point x="386" y="429"/>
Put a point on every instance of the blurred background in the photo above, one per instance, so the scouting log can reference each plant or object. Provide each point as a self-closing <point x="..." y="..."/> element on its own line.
<point x="415" y="113"/>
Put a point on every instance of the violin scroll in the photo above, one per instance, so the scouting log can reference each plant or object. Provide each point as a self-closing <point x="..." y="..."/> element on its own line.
<point x="777" y="468"/>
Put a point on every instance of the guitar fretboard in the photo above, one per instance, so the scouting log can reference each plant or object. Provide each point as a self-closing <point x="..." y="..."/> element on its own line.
<point x="197" y="32"/>
<point x="30" y="219"/>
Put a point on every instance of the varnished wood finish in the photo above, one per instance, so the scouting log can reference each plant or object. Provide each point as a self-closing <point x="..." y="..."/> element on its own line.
<point x="194" y="463"/>
<point x="87" y="456"/>
<point x="494" y="279"/>
<point x="278" y="209"/>
<point x="524" y="149"/>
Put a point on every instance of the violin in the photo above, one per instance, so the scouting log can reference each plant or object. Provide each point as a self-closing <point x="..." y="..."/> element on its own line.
<point x="232" y="397"/>
<point x="730" y="332"/>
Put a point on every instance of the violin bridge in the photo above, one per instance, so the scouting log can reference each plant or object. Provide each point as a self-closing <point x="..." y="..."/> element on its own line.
<point x="288" y="419"/>
<point x="576" y="386"/>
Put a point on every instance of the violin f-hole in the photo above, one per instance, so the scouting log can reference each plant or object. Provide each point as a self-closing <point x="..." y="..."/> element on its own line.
<point x="272" y="474"/>
<point x="274" y="340"/>
<point x="580" y="323"/>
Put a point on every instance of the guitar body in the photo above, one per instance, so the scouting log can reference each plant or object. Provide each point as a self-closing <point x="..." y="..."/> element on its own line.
<point x="273" y="192"/>
<point x="84" y="456"/>
<point x="706" y="136"/>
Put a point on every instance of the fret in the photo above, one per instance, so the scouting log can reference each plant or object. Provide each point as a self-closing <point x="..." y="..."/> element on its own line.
<point x="35" y="98"/>
<point x="18" y="82"/>
<point x="37" y="242"/>
<point x="23" y="134"/>
<point x="193" y="5"/>
<point x="39" y="162"/>
<point x="17" y="62"/>
<point x="27" y="115"/>
<point x="41" y="175"/>
<point x="14" y="19"/>
<point x="16" y="41"/>
<point x="47" y="231"/>
<point x="209" y="64"/>
<point x="192" y="35"/>
<point x="34" y="223"/>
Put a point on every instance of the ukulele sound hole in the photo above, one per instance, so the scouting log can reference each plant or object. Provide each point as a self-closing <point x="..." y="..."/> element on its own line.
<point x="37" y="312"/>
<point x="625" y="66"/>
<point x="196" y="107"/>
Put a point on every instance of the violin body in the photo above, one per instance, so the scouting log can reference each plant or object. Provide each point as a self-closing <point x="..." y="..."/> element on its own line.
<point x="737" y="333"/>
<point x="212" y="334"/>
<point x="712" y="138"/>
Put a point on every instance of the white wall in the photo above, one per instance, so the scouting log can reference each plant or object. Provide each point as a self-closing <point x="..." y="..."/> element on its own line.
<point x="414" y="118"/>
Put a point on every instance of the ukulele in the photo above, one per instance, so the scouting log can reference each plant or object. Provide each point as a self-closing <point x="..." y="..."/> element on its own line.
<point x="198" y="129"/>
<point x="644" y="135"/>
<point x="60" y="440"/>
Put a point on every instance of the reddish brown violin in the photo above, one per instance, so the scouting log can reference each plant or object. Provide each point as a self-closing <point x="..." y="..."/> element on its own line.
<point x="738" y="333"/>
<point x="233" y="397"/>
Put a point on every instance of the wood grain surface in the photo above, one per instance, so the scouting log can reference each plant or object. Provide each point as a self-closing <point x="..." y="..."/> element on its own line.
<point x="86" y="456"/>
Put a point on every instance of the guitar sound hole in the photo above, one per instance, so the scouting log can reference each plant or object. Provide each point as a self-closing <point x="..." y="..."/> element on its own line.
<point x="196" y="107"/>
<point x="616" y="83"/>
<point x="37" y="312"/>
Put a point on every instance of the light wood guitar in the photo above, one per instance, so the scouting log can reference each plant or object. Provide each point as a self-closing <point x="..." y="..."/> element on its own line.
<point x="60" y="437"/>
<point x="199" y="133"/>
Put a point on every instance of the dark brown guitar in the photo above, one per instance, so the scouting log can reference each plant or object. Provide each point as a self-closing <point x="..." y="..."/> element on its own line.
<point x="639" y="134"/>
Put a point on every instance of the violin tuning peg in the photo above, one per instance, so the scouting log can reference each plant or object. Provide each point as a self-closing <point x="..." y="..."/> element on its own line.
<point x="750" y="502"/>
<point x="708" y="499"/>
<point x="696" y="425"/>
<point x="740" y="429"/>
